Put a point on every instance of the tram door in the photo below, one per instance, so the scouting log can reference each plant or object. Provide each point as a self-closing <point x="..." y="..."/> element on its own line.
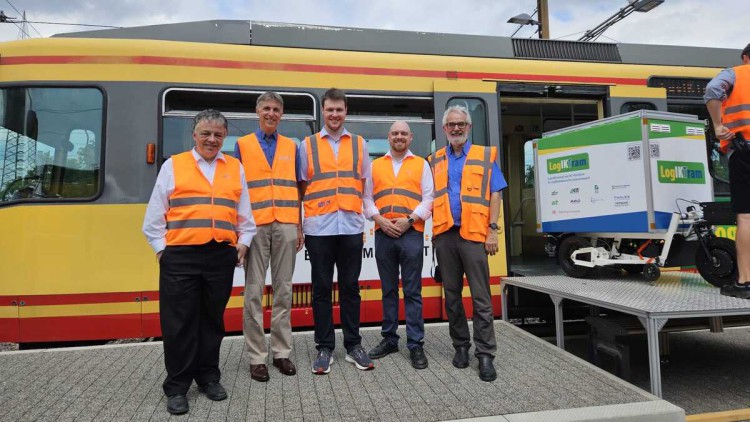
<point x="480" y="98"/>
<point x="528" y="111"/>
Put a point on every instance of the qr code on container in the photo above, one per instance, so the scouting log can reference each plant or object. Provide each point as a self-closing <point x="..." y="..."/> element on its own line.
<point x="654" y="150"/>
<point x="634" y="152"/>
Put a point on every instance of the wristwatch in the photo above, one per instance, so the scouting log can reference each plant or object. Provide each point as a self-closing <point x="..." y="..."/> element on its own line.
<point x="493" y="226"/>
<point x="410" y="220"/>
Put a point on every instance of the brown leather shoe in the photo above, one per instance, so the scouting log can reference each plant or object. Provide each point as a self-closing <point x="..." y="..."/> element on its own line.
<point x="285" y="366"/>
<point x="259" y="373"/>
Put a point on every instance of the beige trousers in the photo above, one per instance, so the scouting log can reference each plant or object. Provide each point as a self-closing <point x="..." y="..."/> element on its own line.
<point x="274" y="243"/>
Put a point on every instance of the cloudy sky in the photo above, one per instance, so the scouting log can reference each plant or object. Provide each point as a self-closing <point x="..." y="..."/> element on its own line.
<point x="677" y="22"/>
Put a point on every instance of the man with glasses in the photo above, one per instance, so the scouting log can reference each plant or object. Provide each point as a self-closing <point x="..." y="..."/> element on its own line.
<point x="398" y="197"/>
<point x="198" y="221"/>
<point x="334" y="165"/>
<point x="466" y="208"/>
<point x="270" y="163"/>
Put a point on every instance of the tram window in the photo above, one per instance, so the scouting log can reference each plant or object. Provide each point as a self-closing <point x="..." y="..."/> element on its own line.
<point x="181" y="105"/>
<point x="50" y="143"/>
<point x="478" y="111"/>
<point x="371" y="117"/>
<point x="635" y="106"/>
<point x="528" y="164"/>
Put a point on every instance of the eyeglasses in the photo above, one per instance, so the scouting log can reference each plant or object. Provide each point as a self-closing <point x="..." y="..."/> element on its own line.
<point x="459" y="125"/>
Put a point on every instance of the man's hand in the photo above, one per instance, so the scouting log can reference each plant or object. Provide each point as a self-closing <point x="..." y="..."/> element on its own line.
<point x="300" y="238"/>
<point x="241" y="253"/>
<point x="402" y="224"/>
<point x="387" y="226"/>
<point x="723" y="133"/>
<point x="158" y="255"/>
<point x="490" y="244"/>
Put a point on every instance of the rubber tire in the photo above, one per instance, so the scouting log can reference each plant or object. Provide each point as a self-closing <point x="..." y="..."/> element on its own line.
<point x="569" y="245"/>
<point x="651" y="272"/>
<point x="725" y="250"/>
<point x="633" y="269"/>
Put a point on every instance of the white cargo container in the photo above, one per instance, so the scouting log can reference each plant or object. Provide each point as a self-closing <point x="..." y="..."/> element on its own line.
<point x="623" y="174"/>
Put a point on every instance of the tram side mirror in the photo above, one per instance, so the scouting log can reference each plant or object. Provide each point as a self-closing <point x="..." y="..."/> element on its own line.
<point x="31" y="126"/>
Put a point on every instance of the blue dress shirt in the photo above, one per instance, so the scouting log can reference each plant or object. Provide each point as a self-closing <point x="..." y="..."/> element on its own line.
<point x="455" y="170"/>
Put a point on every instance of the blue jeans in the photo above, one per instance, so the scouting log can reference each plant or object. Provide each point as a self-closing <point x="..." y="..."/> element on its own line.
<point x="406" y="252"/>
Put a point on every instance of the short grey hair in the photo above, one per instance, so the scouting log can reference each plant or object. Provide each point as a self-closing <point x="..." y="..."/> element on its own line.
<point x="210" y="115"/>
<point x="456" y="109"/>
<point x="270" y="96"/>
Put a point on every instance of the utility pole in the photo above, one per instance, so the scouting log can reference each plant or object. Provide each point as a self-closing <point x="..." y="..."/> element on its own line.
<point x="23" y="28"/>
<point x="543" y="15"/>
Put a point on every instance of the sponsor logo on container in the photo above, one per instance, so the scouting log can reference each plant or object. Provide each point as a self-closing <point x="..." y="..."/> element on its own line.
<point x="574" y="191"/>
<point x="683" y="172"/>
<point x="568" y="163"/>
<point x="575" y="201"/>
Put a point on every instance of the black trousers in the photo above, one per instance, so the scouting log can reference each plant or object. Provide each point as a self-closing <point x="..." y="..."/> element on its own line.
<point x="345" y="253"/>
<point x="456" y="257"/>
<point x="195" y="283"/>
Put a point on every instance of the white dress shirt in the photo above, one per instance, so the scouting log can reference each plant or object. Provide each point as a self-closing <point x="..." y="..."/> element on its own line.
<point x="340" y="221"/>
<point x="423" y="210"/>
<point x="155" y="222"/>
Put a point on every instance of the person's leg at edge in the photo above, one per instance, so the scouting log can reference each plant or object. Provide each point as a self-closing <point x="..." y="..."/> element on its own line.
<point x="386" y="257"/>
<point x="411" y="257"/>
<point x="283" y="255"/>
<point x="452" y="270"/>
<point x="322" y="253"/>
<point x="349" y="264"/>
<point x="255" y="281"/>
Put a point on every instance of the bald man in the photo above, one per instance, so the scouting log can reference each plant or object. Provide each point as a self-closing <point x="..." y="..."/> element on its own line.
<point x="398" y="197"/>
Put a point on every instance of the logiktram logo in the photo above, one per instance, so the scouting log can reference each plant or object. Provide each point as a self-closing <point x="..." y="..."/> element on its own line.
<point x="681" y="172"/>
<point x="569" y="163"/>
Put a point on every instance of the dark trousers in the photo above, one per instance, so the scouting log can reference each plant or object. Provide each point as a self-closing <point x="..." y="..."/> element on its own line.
<point x="457" y="256"/>
<point x="195" y="283"/>
<point x="345" y="253"/>
<point x="406" y="252"/>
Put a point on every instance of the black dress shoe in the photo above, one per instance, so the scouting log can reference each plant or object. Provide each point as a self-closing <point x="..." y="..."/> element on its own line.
<point x="486" y="368"/>
<point x="214" y="391"/>
<point x="418" y="358"/>
<point x="285" y="366"/>
<point x="177" y="404"/>
<point x="383" y="349"/>
<point x="461" y="358"/>
<point x="259" y="373"/>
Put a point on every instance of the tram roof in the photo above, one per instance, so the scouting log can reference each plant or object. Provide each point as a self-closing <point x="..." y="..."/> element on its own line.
<point x="243" y="32"/>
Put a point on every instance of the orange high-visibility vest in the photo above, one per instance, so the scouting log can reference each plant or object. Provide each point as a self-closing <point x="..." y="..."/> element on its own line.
<point x="199" y="212"/>
<point x="333" y="183"/>
<point x="475" y="193"/>
<point x="735" y="109"/>
<point x="397" y="196"/>
<point x="273" y="189"/>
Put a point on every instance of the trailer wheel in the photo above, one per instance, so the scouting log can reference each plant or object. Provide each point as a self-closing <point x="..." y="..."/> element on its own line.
<point x="720" y="268"/>
<point x="651" y="272"/>
<point x="569" y="245"/>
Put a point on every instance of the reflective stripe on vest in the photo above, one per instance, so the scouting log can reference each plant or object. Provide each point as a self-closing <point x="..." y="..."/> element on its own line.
<point x="334" y="182"/>
<point x="735" y="109"/>
<point x="475" y="193"/>
<point x="393" y="201"/>
<point x="273" y="189"/>
<point x="198" y="211"/>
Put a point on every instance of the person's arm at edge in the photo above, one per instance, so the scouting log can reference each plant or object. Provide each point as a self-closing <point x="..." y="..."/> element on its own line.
<point x="155" y="220"/>
<point x="245" y="222"/>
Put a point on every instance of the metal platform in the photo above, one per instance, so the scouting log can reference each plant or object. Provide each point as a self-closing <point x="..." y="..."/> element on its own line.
<point x="536" y="382"/>
<point x="674" y="295"/>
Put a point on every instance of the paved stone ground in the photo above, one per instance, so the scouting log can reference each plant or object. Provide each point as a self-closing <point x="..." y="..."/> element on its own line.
<point x="124" y="382"/>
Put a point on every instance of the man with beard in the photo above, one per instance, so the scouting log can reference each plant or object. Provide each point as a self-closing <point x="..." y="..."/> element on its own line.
<point x="398" y="197"/>
<point x="464" y="219"/>
<point x="198" y="221"/>
<point x="334" y="165"/>
<point x="270" y="162"/>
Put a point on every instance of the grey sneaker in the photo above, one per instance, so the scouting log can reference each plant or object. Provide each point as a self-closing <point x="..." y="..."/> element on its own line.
<point x="322" y="363"/>
<point x="358" y="356"/>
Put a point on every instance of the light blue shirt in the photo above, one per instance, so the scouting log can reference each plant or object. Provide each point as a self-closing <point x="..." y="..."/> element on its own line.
<point x="720" y="86"/>
<point x="455" y="171"/>
<point x="338" y="222"/>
